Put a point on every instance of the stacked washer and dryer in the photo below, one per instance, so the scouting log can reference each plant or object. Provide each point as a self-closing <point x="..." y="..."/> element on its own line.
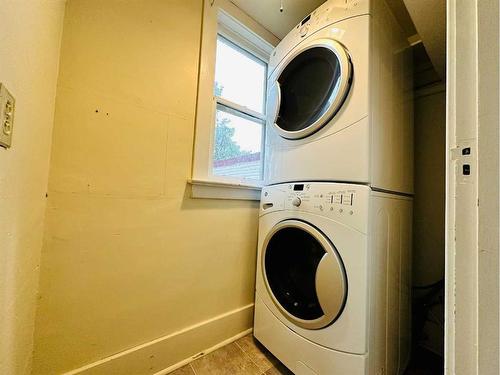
<point x="333" y="272"/>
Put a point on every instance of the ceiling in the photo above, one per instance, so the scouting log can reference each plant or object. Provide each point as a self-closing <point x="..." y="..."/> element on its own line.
<point x="267" y="13"/>
<point x="401" y="13"/>
<point x="424" y="17"/>
<point x="429" y="17"/>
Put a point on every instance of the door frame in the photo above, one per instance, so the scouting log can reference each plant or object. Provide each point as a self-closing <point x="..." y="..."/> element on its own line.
<point x="472" y="214"/>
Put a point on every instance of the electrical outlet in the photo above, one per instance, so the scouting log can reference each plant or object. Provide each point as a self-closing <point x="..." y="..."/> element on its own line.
<point x="7" y="106"/>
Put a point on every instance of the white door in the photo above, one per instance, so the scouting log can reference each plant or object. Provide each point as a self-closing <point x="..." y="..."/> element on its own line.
<point x="472" y="261"/>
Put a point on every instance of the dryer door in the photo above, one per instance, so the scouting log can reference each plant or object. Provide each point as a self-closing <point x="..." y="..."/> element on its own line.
<point x="310" y="89"/>
<point x="304" y="274"/>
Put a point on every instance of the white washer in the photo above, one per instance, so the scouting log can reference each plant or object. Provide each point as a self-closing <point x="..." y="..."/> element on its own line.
<point x="340" y="99"/>
<point x="333" y="278"/>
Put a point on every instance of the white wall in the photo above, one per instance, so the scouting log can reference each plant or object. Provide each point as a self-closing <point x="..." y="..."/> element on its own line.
<point x="130" y="262"/>
<point x="30" y="35"/>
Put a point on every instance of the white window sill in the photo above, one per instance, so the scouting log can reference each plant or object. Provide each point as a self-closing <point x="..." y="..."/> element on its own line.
<point x="222" y="190"/>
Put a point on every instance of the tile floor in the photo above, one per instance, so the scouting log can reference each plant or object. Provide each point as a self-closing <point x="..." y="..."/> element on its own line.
<point x="245" y="356"/>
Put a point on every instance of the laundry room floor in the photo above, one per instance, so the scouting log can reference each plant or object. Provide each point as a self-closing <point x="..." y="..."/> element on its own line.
<point x="247" y="356"/>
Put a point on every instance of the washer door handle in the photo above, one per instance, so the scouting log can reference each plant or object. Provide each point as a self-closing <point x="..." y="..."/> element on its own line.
<point x="330" y="286"/>
<point x="273" y="102"/>
<point x="328" y="278"/>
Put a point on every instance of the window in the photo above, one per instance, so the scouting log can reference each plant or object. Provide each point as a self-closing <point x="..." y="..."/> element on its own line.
<point x="230" y="119"/>
<point x="240" y="92"/>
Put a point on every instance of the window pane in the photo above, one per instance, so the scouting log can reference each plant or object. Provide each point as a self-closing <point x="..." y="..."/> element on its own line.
<point x="237" y="145"/>
<point x="239" y="77"/>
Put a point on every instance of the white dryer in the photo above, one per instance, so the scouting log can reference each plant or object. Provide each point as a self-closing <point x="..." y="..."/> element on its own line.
<point x="339" y="102"/>
<point x="333" y="278"/>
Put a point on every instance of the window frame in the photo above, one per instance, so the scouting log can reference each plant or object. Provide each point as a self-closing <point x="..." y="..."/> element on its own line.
<point x="239" y="110"/>
<point x="223" y="18"/>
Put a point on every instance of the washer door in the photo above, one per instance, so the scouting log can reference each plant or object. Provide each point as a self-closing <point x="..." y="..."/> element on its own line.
<point x="304" y="274"/>
<point x="310" y="89"/>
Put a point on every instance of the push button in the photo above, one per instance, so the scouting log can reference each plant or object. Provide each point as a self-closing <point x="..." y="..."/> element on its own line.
<point x="347" y="199"/>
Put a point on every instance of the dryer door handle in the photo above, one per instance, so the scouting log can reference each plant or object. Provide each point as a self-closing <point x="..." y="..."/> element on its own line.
<point x="273" y="102"/>
<point x="330" y="286"/>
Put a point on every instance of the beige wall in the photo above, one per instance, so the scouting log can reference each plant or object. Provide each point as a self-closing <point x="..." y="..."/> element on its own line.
<point x="429" y="202"/>
<point x="30" y="35"/>
<point x="128" y="257"/>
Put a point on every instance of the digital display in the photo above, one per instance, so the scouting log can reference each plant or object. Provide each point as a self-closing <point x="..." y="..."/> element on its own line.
<point x="305" y="20"/>
<point x="298" y="187"/>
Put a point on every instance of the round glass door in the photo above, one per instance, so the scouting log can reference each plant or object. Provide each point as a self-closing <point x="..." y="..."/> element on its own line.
<point x="310" y="89"/>
<point x="304" y="274"/>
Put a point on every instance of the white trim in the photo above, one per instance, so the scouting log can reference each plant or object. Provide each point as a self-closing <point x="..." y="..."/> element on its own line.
<point x="461" y="213"/>
<point x="213" y="331"/>
<point x="224" y="190"/>
<point x="224" y="17"/>
<point x="240" y="108"/>
<point x="472" y="212"/>
<point x="449" y="304"/>
<point x="231" y="28"/>
<point x="488" y="81"/>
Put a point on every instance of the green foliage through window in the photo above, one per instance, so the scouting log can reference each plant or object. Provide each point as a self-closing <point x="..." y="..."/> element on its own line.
<point x="225" y="147"/>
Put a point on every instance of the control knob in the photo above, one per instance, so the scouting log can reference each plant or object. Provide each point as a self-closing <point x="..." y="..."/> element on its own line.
<point x="296" y="201"/>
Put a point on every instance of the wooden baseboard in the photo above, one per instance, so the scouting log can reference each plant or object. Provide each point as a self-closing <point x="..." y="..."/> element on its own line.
<point x="167" y="353"/>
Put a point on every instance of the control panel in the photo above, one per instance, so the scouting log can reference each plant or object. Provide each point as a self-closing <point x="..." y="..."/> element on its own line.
<point x="330" y="12"/>
<point x="310" y="198"/>
<point x="345" y="202"/>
